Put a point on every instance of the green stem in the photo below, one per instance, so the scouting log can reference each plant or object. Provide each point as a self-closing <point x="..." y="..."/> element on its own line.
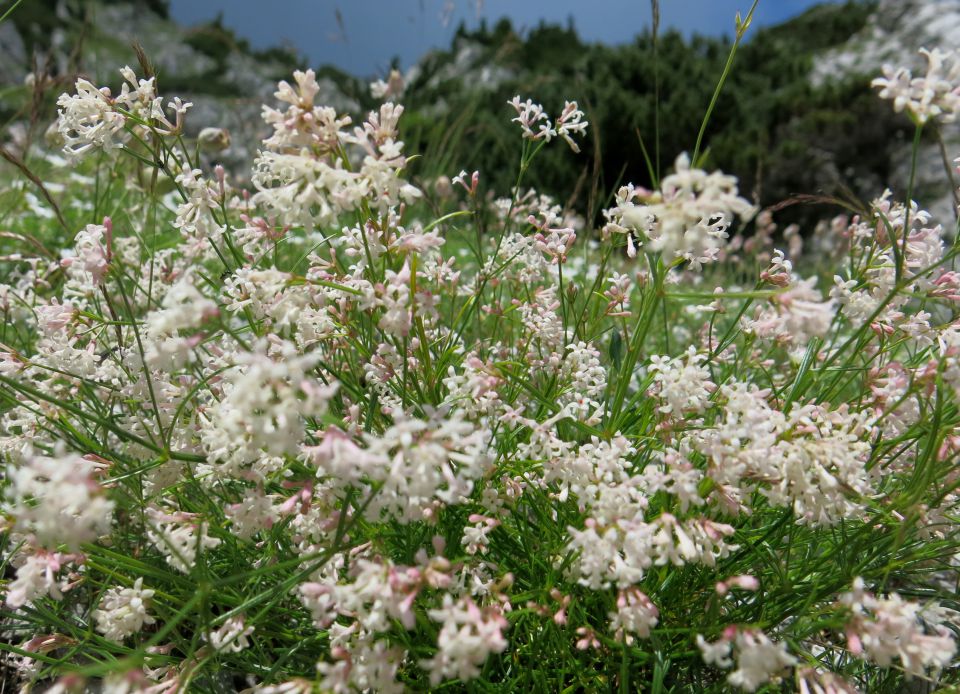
<point x="741" y="30"/>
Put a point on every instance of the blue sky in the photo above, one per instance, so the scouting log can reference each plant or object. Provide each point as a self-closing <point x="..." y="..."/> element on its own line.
<point x="374" y="31"/>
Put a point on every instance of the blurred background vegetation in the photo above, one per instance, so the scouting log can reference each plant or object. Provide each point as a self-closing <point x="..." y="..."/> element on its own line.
<point x="780" y="131"/>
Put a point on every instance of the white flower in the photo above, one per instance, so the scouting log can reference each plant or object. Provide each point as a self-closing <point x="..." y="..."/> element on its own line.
<point x="263" y="407"/>
<point x="92" y="118"/>
<point x="688" y="217"/>
<point x="468" y="636"/>
<point x="54" y="317"/>
<point x="419" y="464"/>
<point x="392" y="88"/>
<point x="885" y="629"/>
<point x="531" y="115"/>
<point x="758" y="659"/>
<point x="183" y="307"/>
<point x="636" y="615"/>
<point x="123" y="611"/>
<point x="57" y="501"/>
<point x="935" y="96"/>
<point x="682" y="383"/>
<point x="178" y="537"/>
<point x="812" y="459"/>
<point x="91" y="246"/>
<point x="587" y="380"/>
<point x="795" y="315"/>
<point x="36" y="578"/>
<point x="303" y="177"/>
<point x="303" y="124"/>
<point x="570" y="122"/>
<point x="231" y="637"/>
<point x="88" y="120"/>
<point x="476" y="536"/>
<point x="255" y="512"/>
<point x="717" y="653"/>
<point x="618" y="546"/>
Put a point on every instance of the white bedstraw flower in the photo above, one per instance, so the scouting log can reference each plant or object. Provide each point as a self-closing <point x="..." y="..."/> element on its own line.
<point x="304" y="177"/>
<point x="758" y="659"/>
<point x="361" y="663"/>
<point x="617" y="546"/>
<point x="419" y="465"/>
<point x="531" y="115"/>
<point x="716" y="653"/>
<point x="254" y="513"/>
<point x="935" y="96"/>
<point x="422" y="464"/>
<point x="56" y="501"/>
<point x="302" y="123"/>
<point x="682" y="383"/>
<point x="636" y="615"/>
<point x="461" y="180"/>
<point x="793" y="316"/>
<point x="231" y="637"/>
<point x="571" y="123"/>
<point x="391" y="88"/>
<point x="94" y="119"/>
<point x="37" y="578"/>
<point x="476" y="536"/>
<point x="265" y="401"/>
<point x="195" y="215"/>
<point x="183" y="307"/>
<point x="812" y="459"/>
<point x="178" y="536"/>
<point x="92" y="246"/>
<point x="687" y="218"/>
<point x="468" y="636"/>
<point x="815" y="681"/>
<point x="587" y="381"/>
<point x="54" y="317"/>
<point x="123" y="611"/>
<point x="88" y="120"/>
<point x="890" y="628"/>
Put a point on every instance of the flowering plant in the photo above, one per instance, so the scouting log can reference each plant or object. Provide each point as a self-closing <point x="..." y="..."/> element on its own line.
<point x="318" y="431"/>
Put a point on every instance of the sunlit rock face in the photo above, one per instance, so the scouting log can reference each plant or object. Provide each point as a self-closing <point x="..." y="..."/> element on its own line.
<point x="893" y="34"/>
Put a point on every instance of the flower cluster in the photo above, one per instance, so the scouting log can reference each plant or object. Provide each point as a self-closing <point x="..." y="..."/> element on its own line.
<point x="758" y="659"/>
<point x="304" y="176"/>
<point x="891" y="628"/>
<point x="93" y="119"/>
<point x="934" y="96"/>
<point x="57" y="501"/>
<point x="313" y="429"/>
<point x="123" y="611"/>
<point x="531" y="115"/>
<point x="688" y="217"/>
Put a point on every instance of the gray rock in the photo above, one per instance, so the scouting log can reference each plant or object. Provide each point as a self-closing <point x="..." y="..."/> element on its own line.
<point x="893" y="34"/>
<point x="13" y="55"/>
